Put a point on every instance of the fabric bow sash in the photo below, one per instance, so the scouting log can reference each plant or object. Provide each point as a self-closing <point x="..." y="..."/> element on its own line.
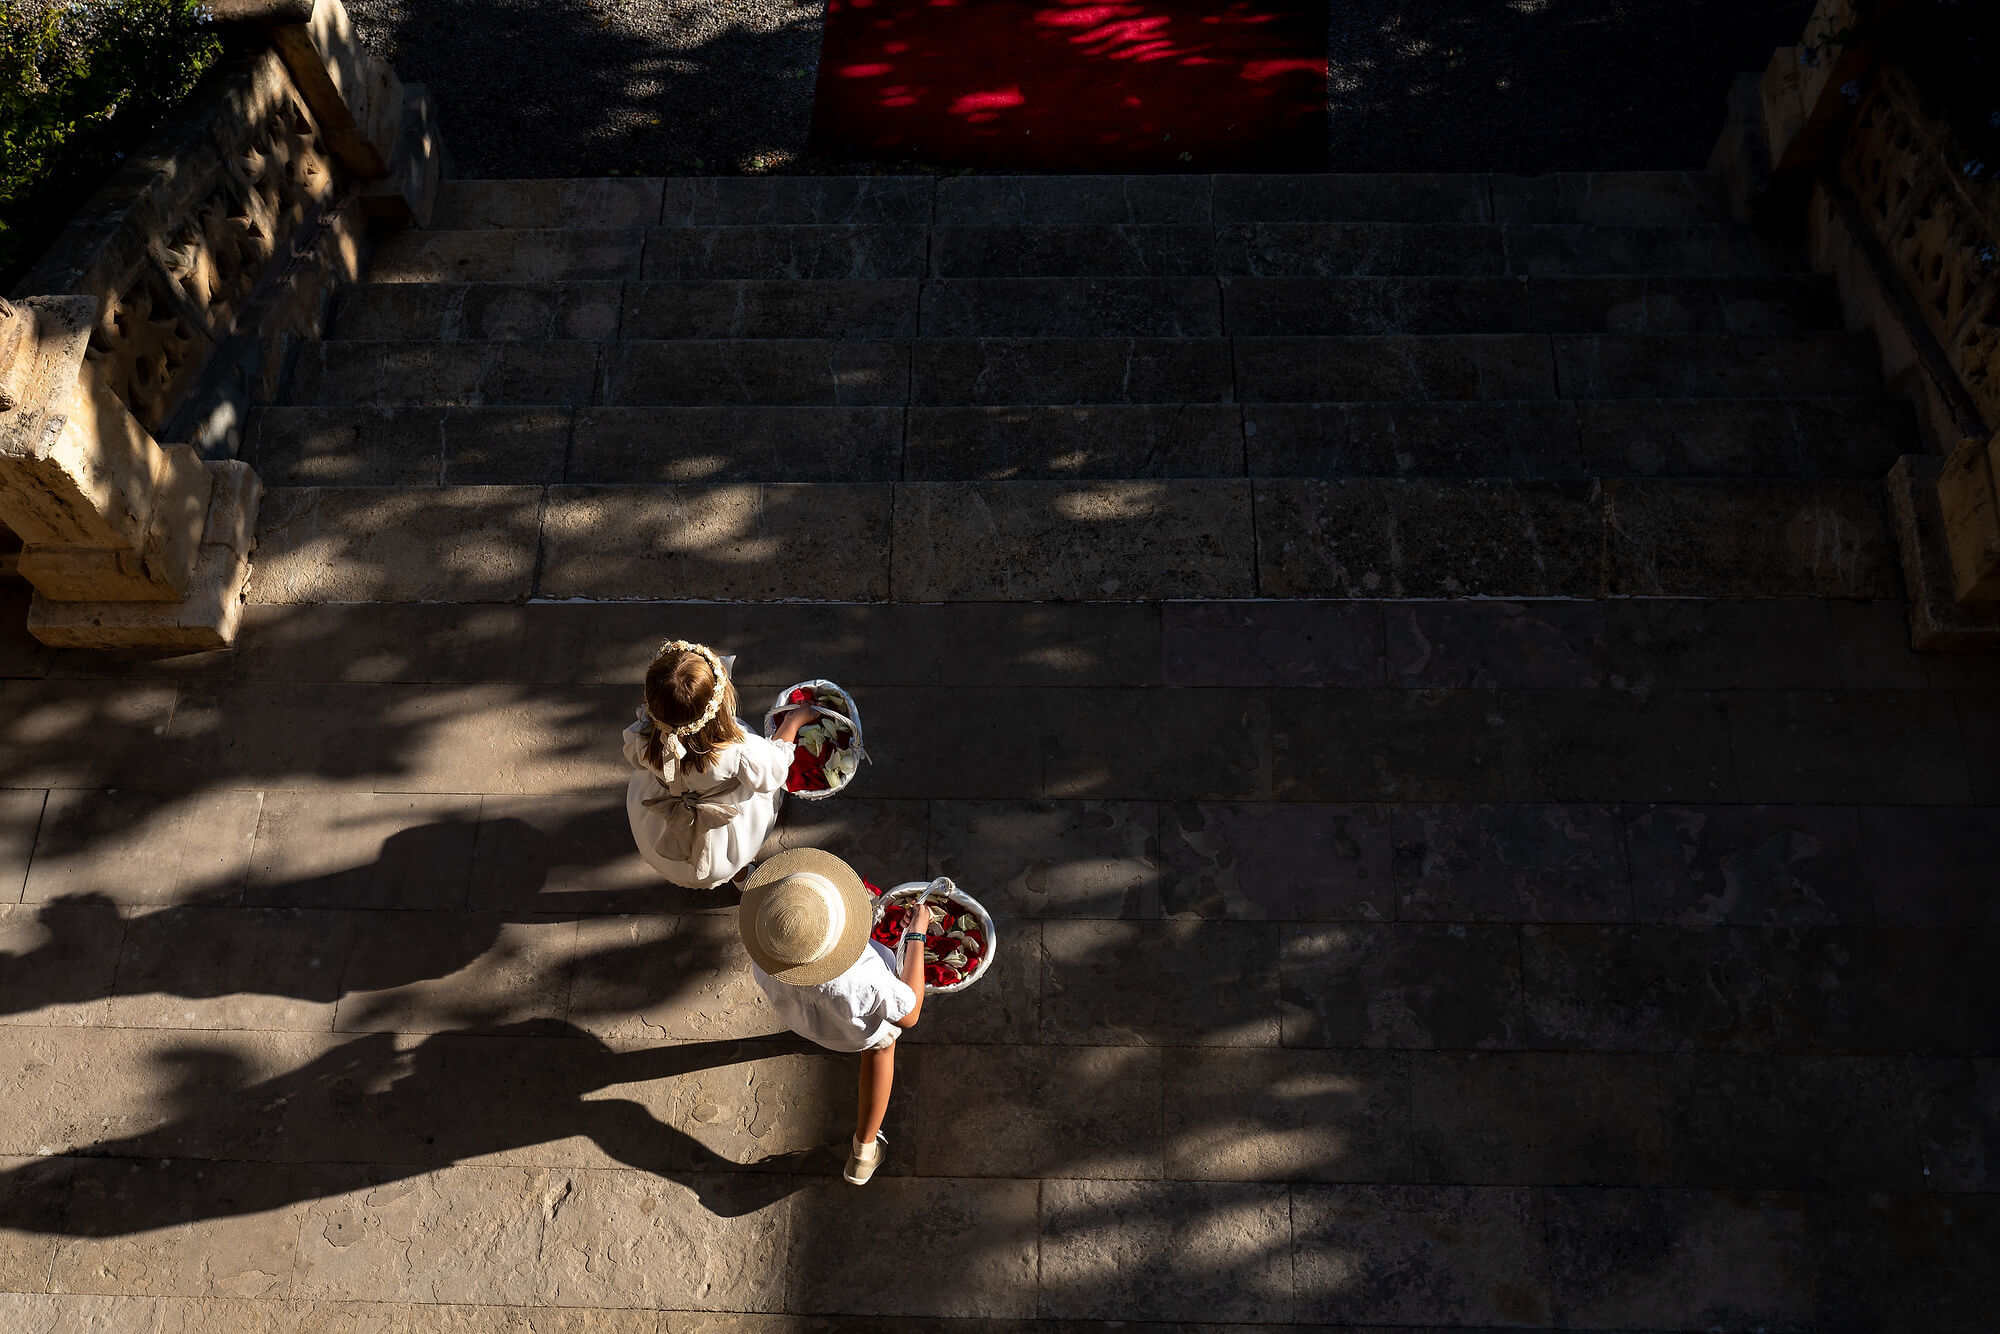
<point x="690" y="817"/>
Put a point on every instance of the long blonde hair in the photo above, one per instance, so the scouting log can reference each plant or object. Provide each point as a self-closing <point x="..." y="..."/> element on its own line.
<point x="679" y="685"/>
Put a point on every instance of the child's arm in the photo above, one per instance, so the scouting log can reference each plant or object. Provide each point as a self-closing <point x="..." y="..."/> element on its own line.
<point x="913" y="965"/>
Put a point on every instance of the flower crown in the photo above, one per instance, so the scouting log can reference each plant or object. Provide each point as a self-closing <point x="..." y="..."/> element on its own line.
<point x="721" y="675"/>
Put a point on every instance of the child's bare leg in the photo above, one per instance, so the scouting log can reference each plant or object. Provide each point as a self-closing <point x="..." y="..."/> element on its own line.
<point x="878" y="1072"/>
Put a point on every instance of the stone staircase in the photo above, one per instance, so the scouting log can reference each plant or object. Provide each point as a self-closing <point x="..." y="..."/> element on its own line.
<point x="1111" y="388"/>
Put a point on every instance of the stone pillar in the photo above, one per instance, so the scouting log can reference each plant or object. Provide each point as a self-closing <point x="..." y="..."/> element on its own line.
<point x="128" y="544"/>
<point x="1808" y="89"/>
<point x="1968" y="491"/>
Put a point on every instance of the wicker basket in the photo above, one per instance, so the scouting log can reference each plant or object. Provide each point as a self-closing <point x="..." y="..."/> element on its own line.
<point x="960" y="901"/>
<point x="850" y="714"/>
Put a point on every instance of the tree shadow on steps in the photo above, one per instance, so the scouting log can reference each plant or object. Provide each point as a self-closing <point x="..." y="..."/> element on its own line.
<point x="365" y="1114"/>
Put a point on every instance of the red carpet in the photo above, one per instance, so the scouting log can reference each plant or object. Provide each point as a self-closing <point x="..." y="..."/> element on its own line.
<point x="1075" y="85"/>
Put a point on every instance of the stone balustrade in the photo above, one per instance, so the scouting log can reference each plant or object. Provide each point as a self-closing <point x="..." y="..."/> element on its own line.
<point x="1913" y="238"/>
<point x="172" y="304"/>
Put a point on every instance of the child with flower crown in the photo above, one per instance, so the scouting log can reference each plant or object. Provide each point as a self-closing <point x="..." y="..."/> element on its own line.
<point x="706" y="792"/>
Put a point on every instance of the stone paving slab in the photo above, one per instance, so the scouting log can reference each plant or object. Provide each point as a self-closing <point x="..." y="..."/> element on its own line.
<point x="1029" y="541"/>
<point x="1072" y="250"/>
<point x="597" y="202"/>
<point x="474" y="311"/>
<point x="736" y="444"/>
<point x="1040" y="200"/>
<point x="1034" y="442"/>
<point x="407" y="446"/>
<point x="1072" y="308"/>
<point x="846" y="251"/>
<point x="559" y="254"/>
<point x="789" y="308"/>
<point x="755" y="372"/>
<point x="759" y="542"/>
<point x="360" y="544"/>
<point x="734" y="201"/>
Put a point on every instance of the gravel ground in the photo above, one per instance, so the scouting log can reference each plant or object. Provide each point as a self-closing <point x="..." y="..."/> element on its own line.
<point x="593" y="87"/>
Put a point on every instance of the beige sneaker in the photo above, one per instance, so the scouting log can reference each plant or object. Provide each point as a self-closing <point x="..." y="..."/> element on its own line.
<point x="863" y="1160"/>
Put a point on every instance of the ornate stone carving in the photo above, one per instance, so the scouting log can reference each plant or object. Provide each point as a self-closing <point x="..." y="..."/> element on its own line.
<point x="143" y="350"/>
<point x="1940" y="225"/>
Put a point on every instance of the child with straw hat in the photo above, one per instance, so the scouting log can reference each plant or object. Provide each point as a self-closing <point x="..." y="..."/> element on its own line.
<point x="805" y="921"/>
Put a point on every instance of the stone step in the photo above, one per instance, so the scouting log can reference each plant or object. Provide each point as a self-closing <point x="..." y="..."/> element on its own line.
<point x="1063" y="250"/>
<point x="1619" y="198"/>
<point x="1118" y="541"/>
<point x="1545" y="440"/>
<point x="1082" y="307"/>
<point x="1078" y="371"/>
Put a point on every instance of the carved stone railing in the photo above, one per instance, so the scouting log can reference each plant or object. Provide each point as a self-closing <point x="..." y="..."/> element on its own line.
<point x="1913" y="237"/>
<point x="172" y="304"/>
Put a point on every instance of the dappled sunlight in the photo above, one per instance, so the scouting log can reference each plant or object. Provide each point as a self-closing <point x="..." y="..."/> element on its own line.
<point x="1138" y="85"/>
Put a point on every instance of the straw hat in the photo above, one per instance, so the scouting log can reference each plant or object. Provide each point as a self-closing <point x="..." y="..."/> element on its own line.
<point x="805" y="916"/>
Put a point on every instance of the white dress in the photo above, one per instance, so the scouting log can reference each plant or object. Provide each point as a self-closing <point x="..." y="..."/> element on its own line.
<point x="737" y="796"/>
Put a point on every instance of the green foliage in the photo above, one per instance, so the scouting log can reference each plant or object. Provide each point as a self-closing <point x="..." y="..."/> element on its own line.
<point x="81" y="82"/>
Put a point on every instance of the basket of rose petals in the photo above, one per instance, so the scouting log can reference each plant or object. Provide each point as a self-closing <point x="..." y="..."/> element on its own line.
<point x="829" y="747"/>
<point x="958" y="947"/>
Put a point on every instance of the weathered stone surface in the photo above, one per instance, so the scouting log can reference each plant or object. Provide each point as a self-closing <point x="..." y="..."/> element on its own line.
<point x="784" y="1110"/>
<point x="34" y="1195"/>
<point x="990" y="201"/>
<point x="1244" y="644"/>
<point x="883" y="840"/>
<point x="840" y="251"/>
<point x="1174" y="983"/>
<point x="1072" y="308"/>
<point x="589" y="203"/>
<point x="1109" y="441"/>
<point x="1006" y="1006"/>
<point x="649" y="978"/>
<point x="427" y="973"/>
<point x="737" y="444"/>
<point x="354" y="850"/>
<point x="1532" y="439"/>
<point x="769" y="308"/>
<point x="1351" y="249"/>
<point x="802" y="372"/>
<point x="1621" y="198"/>
<point x="1689" y="1259"/>
<point x="1789" y="365"/>
<point x="1927" y="867"/>
<point x="1497" y="645"/>
<point x="460" y="1234"/>
<point x="1110" y="743"/>
<point x="206" y="619"/>
<point x="179" y="1229"/>
<point x="1155" y="1249"/>
<point x="632" y="1239"/>
<point x="760" y="542"/>
<point x="1882" y="992"/>
<point x="44" y="1314"/>
<point x="1051" y="859"/>
<point x="1450" y="987"/>
<point x="1361" y="538"/>
<point x="1445" y="368"/>
<point x="20" y="819"/>
<point x="1506" y="1118"/>
<point x="1958" y="1122"/>
<point x="1749" y="539"/>
<point x="1644" y="988"/>
<point x="1791" y="1123"/>
<point x="511" y="255"/>
<point x="1510" y="864"/>
<point x="231" y="968"/>
<point x="1288" y="862"/>
<point x="80" y="733"/>
<point x="1869" y="746"/>
<point x="1545" y="250"/>
<point x="1004" y="372"/>
<point x="988" y="1226"/>
<point x="141" y="847"/>
<point x="1409" y="1254"/>
<point x="1250" y="1114"/>
<point x="363" y="544"/>
<point x="796" y="201"/>
<point x="60" y="961"/>
<point x="562" y="855"/>
<point x="470" y="311"/>
<point x="1072" y="250"/>
<point x="1748" y="865"/>
<point x="1410" y="197"/>
<point x="1027" y="541"/>
<point x="1051" y="1112"/>
<point x="336" y="374"/>
<point x="1741" y="437"/>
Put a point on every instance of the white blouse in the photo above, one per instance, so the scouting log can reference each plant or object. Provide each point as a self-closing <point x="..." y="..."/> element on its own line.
<point x="749" y="775"/>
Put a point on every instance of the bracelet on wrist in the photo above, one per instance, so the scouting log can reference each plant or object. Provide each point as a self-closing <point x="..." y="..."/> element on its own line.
<point x="913" y="935"/>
